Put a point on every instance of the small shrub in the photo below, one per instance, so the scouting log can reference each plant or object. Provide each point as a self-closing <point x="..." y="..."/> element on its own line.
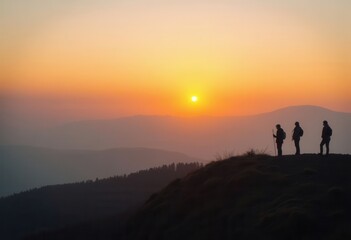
<point x="254" y="152"/>
<point x="224" y="155"/>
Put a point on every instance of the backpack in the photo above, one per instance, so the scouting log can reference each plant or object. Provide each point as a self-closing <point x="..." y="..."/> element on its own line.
<point x="284" y="135"/>
<point x="301" y="132"/>
<point x="330" y="131"/>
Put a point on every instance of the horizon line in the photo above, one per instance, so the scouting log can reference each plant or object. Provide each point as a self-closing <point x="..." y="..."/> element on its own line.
<point x="204" y="116"/>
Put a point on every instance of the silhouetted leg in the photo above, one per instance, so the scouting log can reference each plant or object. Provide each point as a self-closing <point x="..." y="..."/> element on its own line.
<point x="327" y="145"/>
<point x="279" y="147"/>
<point x="297" y="146"/>
<point x="321" y="146"/>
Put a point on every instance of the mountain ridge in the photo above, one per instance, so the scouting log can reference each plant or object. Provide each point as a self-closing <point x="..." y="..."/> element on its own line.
<point x="287" y="108"/>
<point x="202" y="137"/>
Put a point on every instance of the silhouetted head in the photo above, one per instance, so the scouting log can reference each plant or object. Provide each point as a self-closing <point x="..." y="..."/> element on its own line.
<point x="297" y="124"/>
<point x="277" y="126"/>
<point x="325" y="123"/>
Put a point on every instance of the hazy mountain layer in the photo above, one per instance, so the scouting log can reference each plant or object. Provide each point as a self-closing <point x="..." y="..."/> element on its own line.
<point x="23" y="168"/>
<point x="198" y="136"/>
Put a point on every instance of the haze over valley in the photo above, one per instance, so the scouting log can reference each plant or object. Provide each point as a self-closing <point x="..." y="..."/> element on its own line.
<point x="201" y="137"/>
<point x="24" y="168"/>
<point x="85" y="150"/>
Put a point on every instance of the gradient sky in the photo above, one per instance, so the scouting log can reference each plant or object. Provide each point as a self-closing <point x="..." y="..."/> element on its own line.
<point x="65" y="59"/>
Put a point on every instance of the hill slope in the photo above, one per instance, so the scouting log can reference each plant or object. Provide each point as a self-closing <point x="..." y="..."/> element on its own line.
<point x="62" y="205"/>
<point x="253" y="197"/>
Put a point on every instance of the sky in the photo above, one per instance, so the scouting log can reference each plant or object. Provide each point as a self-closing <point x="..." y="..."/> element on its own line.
<point x="66" y="60"/>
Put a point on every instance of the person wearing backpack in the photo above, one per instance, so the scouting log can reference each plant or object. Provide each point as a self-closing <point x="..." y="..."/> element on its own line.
<point x="327" y="132"/>
<point x="297" y="134"/>
<point x="280" y="136"/>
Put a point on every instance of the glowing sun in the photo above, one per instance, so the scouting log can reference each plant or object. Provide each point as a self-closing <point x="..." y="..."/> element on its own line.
<point x="194" y="98"/>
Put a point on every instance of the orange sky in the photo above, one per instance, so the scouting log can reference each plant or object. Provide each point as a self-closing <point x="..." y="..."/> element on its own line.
<point x="97" y="60"/>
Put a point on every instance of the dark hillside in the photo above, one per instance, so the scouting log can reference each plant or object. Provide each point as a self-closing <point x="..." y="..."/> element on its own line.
<point x="252" y="197"/>
<point x="60" y="206"/>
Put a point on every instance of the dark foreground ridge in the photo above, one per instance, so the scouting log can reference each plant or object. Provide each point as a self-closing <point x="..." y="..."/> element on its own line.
<point x="245" y="197"/>
<point x="253" y="197"/>
<point x="106" y="202"/>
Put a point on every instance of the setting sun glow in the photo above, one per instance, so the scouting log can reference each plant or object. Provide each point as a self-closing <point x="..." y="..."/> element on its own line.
<point x="105" y="59"/>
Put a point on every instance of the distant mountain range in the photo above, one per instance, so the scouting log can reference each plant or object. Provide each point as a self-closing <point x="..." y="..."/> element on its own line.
<point x="23" y="167"/>
<point x="202" y="137"/>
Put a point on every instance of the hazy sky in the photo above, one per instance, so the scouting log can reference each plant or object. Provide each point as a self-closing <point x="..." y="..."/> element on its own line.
<point x="66" y="59"/>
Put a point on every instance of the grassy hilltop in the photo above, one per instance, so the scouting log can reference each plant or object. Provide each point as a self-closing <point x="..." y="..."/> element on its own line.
<point x="253" y="197"/>
<point x="244" y="197"/>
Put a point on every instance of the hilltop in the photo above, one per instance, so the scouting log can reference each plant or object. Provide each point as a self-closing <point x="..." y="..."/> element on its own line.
<point x="253" y="197"/>
<point x="243" y="197"/>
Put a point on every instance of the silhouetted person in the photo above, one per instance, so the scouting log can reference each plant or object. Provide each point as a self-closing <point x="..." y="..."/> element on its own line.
<point x="326" y="134"/>
<point x="280" y="136"/>
<point x="297" y="134"/>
